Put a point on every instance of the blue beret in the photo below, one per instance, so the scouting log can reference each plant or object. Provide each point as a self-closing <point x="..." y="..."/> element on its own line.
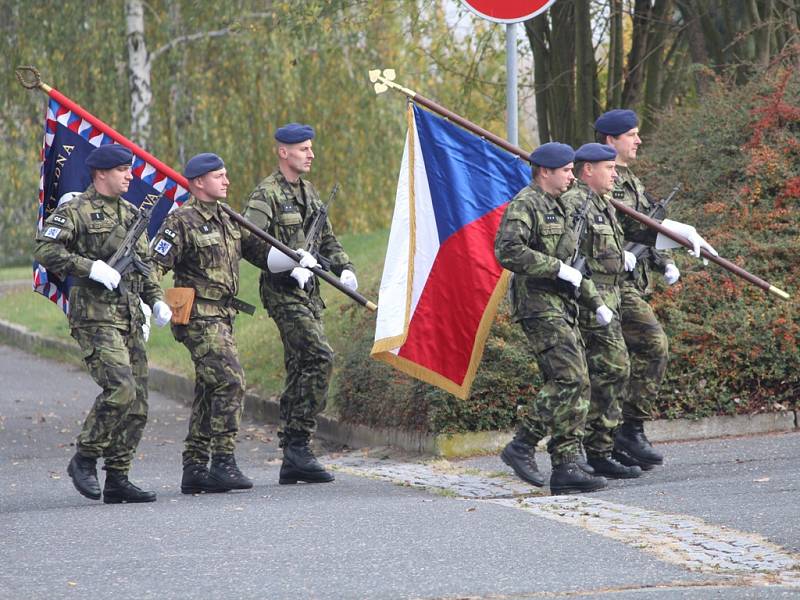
<point x="616" y="122"/>
<point x="109" y="156"/>
<point x="595" y="152"/>
<point x="552" y="155"/>
<point x="202" y="164"/>
<point x="294" y="133"/>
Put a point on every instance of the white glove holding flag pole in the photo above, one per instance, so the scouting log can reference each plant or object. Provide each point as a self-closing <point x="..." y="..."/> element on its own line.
<point x="687" y="231"/>
<point x="278" y="262"/>
<point x="162" y="313"/>
<point x="301" y="276"/>
<point x="671" y="274"/>
<point x="102" y="273"/>
<point x="604" y="315"/>
<point x="146" y="325"/>
<point x="630" y="260"/>
<point x="570" y="274"/>
<point x="348" y="278"/>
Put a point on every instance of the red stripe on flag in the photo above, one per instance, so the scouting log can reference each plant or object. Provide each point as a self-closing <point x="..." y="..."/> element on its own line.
<point x="442" y="330"/>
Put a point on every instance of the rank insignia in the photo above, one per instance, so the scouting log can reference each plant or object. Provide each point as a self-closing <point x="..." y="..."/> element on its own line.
<point x="550" y="218"/>
<point x="162" y="247"/>
<point x="98" y="216"/>
<point x="205" y="228"/>
<point x="599" y="219"/>
<point x="618" y="194"/>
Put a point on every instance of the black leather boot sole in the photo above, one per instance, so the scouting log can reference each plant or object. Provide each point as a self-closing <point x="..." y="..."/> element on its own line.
<point x="290" y="476"/>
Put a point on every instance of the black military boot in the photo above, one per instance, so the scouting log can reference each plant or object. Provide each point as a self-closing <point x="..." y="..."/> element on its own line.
<point x="583" y="463"/>
<point x="628" y="461"/>
<point x="226" y="474"/>
<point x="83" y="472"/>
<point x="300" y="464"/>
<point x="630" y="440"/>
<point x="608" y="467"/>
<point x="520" y="456"/>
<point x="118" y="489"/>
<point x="196" y="480"/>
<point x="569" y="478"/>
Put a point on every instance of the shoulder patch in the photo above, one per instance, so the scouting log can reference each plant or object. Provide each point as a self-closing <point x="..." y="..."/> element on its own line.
<point x="162" y="247"/>
<point x="169" y="233"/>
<point x="59" y="219"/>
<point x="52" y="232"/>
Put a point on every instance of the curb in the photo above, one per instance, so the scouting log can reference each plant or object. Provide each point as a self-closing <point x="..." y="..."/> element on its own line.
<point x="266" y="410"/>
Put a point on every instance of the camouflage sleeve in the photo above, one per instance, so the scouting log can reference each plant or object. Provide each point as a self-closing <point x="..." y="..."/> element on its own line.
<point x="331" y="249"/>
<point x="167" y="247"/>
<point x="258" y="209"/>
<point x="511" y="245"/>
<point x="53" y="243"/>
<point x="590" y="297"/>
<point x="254" y="249"/>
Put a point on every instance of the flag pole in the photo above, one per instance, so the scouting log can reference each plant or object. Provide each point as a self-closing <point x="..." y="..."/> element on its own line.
<point x="30" y="79"/>
<point x="383" y="80"/>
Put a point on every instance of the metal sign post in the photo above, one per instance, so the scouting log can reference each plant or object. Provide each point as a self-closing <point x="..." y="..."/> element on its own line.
<point x="509" y="12"/>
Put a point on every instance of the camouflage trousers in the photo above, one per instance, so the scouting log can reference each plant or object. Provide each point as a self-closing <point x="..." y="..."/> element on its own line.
<point x="219" y="387"/>
<point x="118" y="364"/>
<point x="649" y="350"/>
<point x="609" y="369"/>
<point x="308" y="359"/>
<point x="560" y="407"/>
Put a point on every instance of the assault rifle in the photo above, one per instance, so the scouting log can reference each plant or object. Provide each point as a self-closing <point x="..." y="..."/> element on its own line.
<point x="659" y="212"/>
<point x="125" y="259"/>
<point x="314" y="233"/>
<point x="578" y="260"/>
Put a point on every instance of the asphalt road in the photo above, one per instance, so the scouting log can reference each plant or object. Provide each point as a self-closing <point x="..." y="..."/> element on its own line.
<point x="720" y="520"/>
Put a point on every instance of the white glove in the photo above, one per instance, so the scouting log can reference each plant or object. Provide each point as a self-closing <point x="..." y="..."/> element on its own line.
<point x="630" y="260"/>
<point x="162" y="313"/>
<point x="570" y="274"/>
<point x="146" y="325"/>
<point x="102" y="273"/>
<point x="307" y="260"/>
<point x="671" y="274"/>
<point x="687" y="231"/>
<point x="301" y="276"/>
<point x="604" y="315"/>
<point x="348" y="279"/>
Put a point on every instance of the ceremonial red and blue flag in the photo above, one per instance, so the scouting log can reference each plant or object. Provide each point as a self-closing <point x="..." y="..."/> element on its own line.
<point x="70" y="134"/>
<point x="441" y="283"/>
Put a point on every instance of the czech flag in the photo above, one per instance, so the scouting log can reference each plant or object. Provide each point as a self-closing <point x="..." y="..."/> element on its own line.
<point x="441" y="283"/>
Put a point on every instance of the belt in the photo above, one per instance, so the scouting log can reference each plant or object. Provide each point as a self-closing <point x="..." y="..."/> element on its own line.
<point x="231" y="302"/>
<point x="135" y="286"/>
<point x="608" y="278"/>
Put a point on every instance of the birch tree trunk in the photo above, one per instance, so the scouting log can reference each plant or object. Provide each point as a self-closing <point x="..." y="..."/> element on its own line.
<point x="138" y="72"/>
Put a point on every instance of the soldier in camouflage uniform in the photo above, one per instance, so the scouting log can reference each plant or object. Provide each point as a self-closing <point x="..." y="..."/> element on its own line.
<point x="646" y="341"/>
<point x="107" y="323"/>
<point x="284" y="205"/>
<point x="533" y="241"/>
<point x="607" y="262"/>
<point x="202" y="246"/>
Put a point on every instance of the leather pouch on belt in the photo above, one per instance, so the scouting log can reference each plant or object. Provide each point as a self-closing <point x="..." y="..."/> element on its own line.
<point x="180" y="300"/>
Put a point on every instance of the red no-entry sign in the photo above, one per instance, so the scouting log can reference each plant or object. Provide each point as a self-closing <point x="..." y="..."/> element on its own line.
<point x="507" y="11"/>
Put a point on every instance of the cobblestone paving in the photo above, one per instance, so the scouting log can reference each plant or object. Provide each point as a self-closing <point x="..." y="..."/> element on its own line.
<point x="678" y="539"/>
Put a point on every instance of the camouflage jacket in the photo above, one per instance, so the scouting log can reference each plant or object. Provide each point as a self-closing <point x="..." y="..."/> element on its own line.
<point x="285" y="211"/>
<point x="630" y="191"/>
<point x="87" y="228"/>
<point x="533" y="238"/>
<point x="203" y="246"/>
<point x="603" y="242"/>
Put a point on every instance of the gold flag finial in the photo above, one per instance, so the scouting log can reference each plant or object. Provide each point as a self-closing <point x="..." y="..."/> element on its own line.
<point x="384" y="79"/>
